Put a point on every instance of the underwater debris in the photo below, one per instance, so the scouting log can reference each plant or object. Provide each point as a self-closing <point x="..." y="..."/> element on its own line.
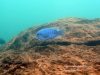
<point x="48" y="33"/>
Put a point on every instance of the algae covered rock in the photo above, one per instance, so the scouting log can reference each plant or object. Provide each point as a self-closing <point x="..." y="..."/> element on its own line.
<point x="73" y="32"/>
<point x="76" y="52"/>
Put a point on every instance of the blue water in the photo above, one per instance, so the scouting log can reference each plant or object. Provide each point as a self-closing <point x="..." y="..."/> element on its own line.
<point x="18" y="15"/>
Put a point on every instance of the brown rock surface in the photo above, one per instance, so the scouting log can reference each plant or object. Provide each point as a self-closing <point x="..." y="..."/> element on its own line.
<point x="77" y="52"/>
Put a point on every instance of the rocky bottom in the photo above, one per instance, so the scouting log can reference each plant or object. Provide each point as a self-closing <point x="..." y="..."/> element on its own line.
<point x="53" y="60"/>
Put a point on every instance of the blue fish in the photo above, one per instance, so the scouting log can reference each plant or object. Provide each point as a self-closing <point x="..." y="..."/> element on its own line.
<point x="48" y="33"/>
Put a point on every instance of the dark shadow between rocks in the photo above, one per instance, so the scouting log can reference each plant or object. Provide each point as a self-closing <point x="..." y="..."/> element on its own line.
<point x="51" y="43"/>
<point x="46" y="46"/>
<point x="35" y="43"/>
<point x="92" y="43"/>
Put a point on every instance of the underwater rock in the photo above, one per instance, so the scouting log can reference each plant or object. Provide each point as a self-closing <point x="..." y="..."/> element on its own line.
<point x="77" y="52"/>
<point x="2" y="41"/>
